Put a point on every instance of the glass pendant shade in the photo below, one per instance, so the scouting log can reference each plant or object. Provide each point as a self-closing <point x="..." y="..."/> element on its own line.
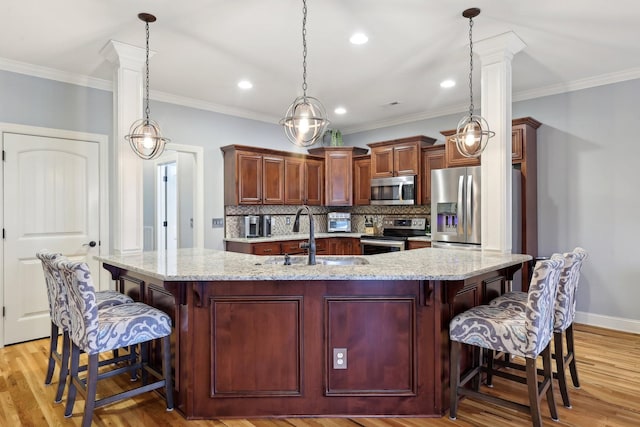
<point x="473" y="131"/>
<point x="472" y="135"/>
<point x="145" y="139"/>
<point x="305" y="121"/>
<point x="145" y="136"/>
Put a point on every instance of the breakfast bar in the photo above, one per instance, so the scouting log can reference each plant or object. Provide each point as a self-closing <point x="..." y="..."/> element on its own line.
<point x="350" y="336"/>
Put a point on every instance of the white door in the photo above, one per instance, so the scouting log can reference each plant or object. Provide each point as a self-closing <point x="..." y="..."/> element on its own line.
<point x="51" y="201"/>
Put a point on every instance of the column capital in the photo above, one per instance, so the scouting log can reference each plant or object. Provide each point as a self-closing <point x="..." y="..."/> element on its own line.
<point x="498" y="48"/>
<point x="125" y="55"/>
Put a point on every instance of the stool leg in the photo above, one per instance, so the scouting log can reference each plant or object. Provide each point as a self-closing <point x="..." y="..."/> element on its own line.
<point x="166" y="370"/>
<point x="73" y="376"/>
<point x="534" y="397"/>
<point x="571" y="353"/>
<point x="53" y="348"/>
<point x="92" y="385"/>
<point x="64" y="366"/>
<point x="561" y="368"/>
<point x="490" y="355"/>
<point x="454" y="378"/>
<point x="548" y="377"/>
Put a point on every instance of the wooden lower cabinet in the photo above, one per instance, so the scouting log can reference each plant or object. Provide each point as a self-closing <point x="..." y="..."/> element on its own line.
<point x="418" y="244"/>
<point x="266" y="348"/>
<point x="324" y="246"/>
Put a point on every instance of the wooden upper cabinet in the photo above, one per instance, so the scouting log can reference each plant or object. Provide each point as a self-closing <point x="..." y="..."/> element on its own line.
<point x="362" y="180"/>
<point x="398" y="157"/>
<point x="338" y="171"/>
<point x="252" y="177"/>
<point x="273" y="180"/>
<point x="249" y="178"/>
<point x="314" y="181"/>
<point x="432" y="158"/>
<point x="453" y="156"/>
<point x="294" y="192"/>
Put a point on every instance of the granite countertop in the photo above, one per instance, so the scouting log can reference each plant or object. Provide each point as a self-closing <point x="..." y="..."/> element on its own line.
<point x="417" y="264"/>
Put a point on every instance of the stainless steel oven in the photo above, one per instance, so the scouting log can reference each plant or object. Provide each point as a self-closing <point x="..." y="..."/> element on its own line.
<point x="395" y="234"/>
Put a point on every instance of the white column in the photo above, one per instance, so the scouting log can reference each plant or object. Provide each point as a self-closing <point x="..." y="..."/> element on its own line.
<point x="126" y="181"/>
<point x="496" y="54"/>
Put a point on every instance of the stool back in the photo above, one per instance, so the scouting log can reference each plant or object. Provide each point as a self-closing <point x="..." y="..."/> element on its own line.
<point x="56" y="293"/>
<point x="565" y="307"/>
<point x="540" y="304"/>
<point x="83" y="307"/>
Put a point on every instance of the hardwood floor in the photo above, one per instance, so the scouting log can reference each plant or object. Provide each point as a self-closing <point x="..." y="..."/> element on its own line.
<point x="608" y="365"/>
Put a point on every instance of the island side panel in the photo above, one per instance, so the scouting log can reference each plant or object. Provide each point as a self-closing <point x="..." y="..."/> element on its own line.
<point x="266" y="349"/>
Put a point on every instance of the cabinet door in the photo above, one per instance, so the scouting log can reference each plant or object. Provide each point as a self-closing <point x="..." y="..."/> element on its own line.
<point x="432" y="158"/>
<point x="406" y="160"/>
<point x="454" y="158"/>
<point x="339" y="185"/>
<point x="517" y="153"/>
<point x="249" y="176"/>
<point x="267" y="248"/>
<point x="314" y="182"/>
<point x="362" y="181"/>
<point x="418" y="244"/>
<point x="382" y="162"/>
<point x="293" y="181"/>
<point x="273" y="180"/>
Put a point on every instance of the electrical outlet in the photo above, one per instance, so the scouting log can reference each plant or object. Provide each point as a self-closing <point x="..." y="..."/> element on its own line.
<point x="217" y="222"/>
<point x="339" y="358"/>
<point x="288" y="220"/>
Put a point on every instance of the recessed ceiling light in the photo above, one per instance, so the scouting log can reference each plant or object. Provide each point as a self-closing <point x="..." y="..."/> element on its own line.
<point x="359" y="38"/>
<point x="245" y="84"/>
<point x="447" y="83"/>
<point x="340" y="110"/>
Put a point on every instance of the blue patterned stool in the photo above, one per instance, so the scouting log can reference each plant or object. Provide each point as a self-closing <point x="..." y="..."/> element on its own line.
<point x="526" y="334"/>
<point x="564" y="315"/>
<point x="95" y="331"/>
<point x="60" y="320"/>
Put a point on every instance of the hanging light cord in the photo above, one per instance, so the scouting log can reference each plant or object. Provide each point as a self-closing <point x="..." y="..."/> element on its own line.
<point x="471" y="67"/>
<point x="304" y="49"/>
<point x="147" y="76"/>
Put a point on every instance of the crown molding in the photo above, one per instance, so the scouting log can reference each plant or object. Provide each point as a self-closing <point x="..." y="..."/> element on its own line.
<point x="53" y="74"/>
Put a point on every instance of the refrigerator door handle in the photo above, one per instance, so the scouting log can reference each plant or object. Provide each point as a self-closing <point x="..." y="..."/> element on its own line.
<point x="460" y="228"/>
<point x="469" y="207"/>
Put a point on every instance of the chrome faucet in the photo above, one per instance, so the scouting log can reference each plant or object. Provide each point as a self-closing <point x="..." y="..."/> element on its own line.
<point x="311" y="244"/>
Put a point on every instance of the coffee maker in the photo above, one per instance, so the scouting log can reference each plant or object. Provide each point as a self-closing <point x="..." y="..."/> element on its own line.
<point x="251" y="226"/>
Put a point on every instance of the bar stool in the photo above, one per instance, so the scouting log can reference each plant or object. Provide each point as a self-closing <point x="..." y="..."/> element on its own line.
<point x="59" y="315"/>
<point x="564" y="315"/>
<point x="526" y="334"/>
<point x="95" y="331"/>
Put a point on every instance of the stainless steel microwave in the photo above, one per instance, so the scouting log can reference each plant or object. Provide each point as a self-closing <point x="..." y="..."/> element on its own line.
<point x="397" y="190"/>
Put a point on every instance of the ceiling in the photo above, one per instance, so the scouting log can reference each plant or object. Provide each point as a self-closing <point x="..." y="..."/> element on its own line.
<point x="204" y="47"/>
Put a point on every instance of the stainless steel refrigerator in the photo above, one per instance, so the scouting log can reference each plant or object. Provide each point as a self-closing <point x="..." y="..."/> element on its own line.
<point x="455" y="207"/>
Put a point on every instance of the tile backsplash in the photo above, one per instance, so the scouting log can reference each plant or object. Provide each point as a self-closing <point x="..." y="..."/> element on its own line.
<point x="279" y="214"/>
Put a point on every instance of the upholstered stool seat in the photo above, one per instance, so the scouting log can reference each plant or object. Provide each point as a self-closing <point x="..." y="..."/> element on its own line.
<point x="523" y="333"/>
<point x="95" y="331"/>
<point x="564" y="315"/>
<point x="60" y="319"/>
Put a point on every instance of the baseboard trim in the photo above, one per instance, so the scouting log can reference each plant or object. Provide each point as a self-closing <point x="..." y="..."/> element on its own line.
<point x="608" y="322"/>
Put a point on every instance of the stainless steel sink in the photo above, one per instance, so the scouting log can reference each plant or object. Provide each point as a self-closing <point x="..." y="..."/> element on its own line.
<point x="320" y="260"/>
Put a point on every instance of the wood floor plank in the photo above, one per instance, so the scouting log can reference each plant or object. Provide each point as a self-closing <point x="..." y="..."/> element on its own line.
<point x="608" y="365"/>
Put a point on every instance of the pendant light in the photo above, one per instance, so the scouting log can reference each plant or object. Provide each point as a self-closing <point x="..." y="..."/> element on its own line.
<point x="145" y="136"/>
<point x="306" y="119"/>
<point x="473" y="131"/>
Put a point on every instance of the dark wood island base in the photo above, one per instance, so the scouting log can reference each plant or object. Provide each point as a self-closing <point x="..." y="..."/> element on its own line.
<point x="266" y="348"/>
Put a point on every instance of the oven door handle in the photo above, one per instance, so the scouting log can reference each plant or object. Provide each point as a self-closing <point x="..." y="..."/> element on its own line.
<point x="386" y="243"/>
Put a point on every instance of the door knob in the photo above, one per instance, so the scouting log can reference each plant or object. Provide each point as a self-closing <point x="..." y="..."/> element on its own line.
<point x="91" y="244"/>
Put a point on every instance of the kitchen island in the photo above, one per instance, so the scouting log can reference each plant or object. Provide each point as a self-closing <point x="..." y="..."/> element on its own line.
<point x="255" y="338"/>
